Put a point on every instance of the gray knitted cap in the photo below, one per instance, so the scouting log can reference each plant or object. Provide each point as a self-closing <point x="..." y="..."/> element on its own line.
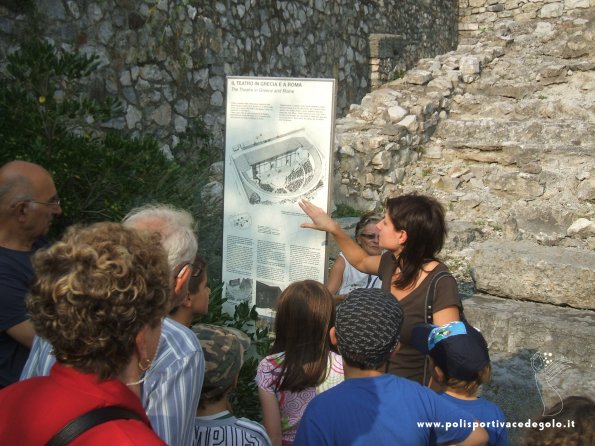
<point x="368" y="325"/>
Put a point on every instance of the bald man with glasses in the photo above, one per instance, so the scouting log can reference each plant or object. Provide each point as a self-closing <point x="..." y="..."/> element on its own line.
<point x="28" y="203"/>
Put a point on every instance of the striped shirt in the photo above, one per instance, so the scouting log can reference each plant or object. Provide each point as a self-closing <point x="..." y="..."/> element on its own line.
<point x="225" y="429"/>
<point x="171" y="390"/>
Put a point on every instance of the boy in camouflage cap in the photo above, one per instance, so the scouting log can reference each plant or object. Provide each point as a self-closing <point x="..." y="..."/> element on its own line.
<point x="224" y="349"/>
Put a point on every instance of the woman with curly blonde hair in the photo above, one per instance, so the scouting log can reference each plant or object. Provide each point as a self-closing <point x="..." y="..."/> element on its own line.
<point x="99" y="298"/>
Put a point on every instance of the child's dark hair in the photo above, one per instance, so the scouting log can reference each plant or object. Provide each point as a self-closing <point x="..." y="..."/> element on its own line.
<point x="305" y="314"/>
<point x="469" y="388"/>
<point x="422" y="218"/>
<point x="206" y="398"/>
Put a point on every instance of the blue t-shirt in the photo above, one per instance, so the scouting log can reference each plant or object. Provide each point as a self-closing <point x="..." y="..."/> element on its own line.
<point x="16" y="275"/>
<point x="487" y="413"/>
<point x="382" y="410"/>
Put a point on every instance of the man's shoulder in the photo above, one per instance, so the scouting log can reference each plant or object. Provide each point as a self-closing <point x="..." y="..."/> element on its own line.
<point x="16" y="265"/>
<point x="177" y="334"/>
<point x="177" y="343"/>
<point x="245" y="423"/>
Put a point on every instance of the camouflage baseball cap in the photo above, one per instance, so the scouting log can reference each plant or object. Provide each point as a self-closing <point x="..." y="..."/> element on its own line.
<point x="224" y="349"/>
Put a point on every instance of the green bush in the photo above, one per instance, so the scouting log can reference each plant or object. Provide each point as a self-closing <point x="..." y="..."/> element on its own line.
<point x="47" y="117"/>
<point x="344" y="210"/>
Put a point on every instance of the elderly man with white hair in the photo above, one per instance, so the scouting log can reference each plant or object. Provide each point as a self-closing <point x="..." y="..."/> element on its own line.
<point x="171" y="387"/>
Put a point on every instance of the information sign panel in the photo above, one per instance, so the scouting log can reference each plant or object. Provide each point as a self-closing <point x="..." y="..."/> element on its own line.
<point x="278" y="150"/>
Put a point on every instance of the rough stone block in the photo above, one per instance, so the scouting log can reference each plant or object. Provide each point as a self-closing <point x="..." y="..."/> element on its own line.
<point x="442" y="84"/>
<point x="495" y="8"/>
<point x="572" y="4"/>
<point x="511" y="4"/>
<point x="382" y="160"/>
<point x="551" y="10"/>
<point x="531" y="7"/>
<point x="510" y="325"/>
<point x="586" y="190"/>
<point x="397" y="113"/>
<point x="527" y="271"/>
<point x="419" y="77"/>
<point x="582" y="228"/>
<point x="552" y="70"/>
<point x="525" y="16"/>
<point x="521" y="336"/>
<point x="468" y="26"/>
<point x="470" y="65"/>
<point x="410" y="123"/>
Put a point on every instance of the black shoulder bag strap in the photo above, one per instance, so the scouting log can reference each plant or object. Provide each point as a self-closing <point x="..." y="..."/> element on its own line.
<point x="429" y="315"/>
<point x="88" y="420"/>
<point x="431" y="294"/>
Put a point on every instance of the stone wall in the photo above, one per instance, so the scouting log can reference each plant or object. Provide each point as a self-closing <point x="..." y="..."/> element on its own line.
<point x="480" y="16"/>
<point x="167" y="59"/>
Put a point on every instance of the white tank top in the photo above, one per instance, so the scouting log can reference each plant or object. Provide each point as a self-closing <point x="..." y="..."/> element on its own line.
<point x="353" y="278"/>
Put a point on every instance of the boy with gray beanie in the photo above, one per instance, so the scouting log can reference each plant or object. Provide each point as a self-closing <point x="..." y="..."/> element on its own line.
<point x="371" y="407"/>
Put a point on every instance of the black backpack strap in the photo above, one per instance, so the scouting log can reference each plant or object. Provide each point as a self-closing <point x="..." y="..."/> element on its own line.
<point x="88" y="420"/>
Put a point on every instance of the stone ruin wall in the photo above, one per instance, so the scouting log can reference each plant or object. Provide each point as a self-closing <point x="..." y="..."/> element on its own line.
<point x="384" y="135"/>
<point x="479" y="16"/>
<point x="167" y="59"/>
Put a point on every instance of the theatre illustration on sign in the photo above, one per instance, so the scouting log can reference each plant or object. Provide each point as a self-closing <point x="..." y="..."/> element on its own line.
<point x="280" y="168"/>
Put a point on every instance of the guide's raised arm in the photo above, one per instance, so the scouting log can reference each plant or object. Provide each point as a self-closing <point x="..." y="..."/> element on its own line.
<point x="321" y="221"/>
<point x="354" y="253"/>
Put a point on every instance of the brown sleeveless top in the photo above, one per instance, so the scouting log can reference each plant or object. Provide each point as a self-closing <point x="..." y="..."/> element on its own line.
<point x="407" y="361"/>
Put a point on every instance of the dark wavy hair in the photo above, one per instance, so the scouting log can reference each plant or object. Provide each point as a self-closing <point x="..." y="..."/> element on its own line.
<point x="422" y="217"/>
<point x="95" y="290"/>
<point x="305" y="314"/>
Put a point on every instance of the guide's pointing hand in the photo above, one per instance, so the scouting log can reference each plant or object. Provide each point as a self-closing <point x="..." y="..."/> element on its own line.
<point x="320" y="219"/>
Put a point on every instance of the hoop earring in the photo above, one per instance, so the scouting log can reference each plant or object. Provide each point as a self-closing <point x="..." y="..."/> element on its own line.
<point x="144" y="364"/>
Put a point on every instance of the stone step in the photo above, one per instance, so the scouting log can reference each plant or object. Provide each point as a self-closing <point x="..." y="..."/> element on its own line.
<point x="564" y="137"/>
<point x="539" y="353"/>
<point x="529" y="271"/>
<point x="511" y="325"/>
<point x="477" y="106"/>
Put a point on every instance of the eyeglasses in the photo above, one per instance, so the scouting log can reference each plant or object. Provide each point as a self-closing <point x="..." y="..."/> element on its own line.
<point x="369" y="236"/>
<point x="188" y="271"/>
<point x="198" y="266"/>
<point x="53" y="202"/>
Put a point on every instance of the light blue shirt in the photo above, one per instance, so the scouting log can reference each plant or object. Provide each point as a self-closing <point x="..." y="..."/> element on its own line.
<point x="171" y="390"/>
